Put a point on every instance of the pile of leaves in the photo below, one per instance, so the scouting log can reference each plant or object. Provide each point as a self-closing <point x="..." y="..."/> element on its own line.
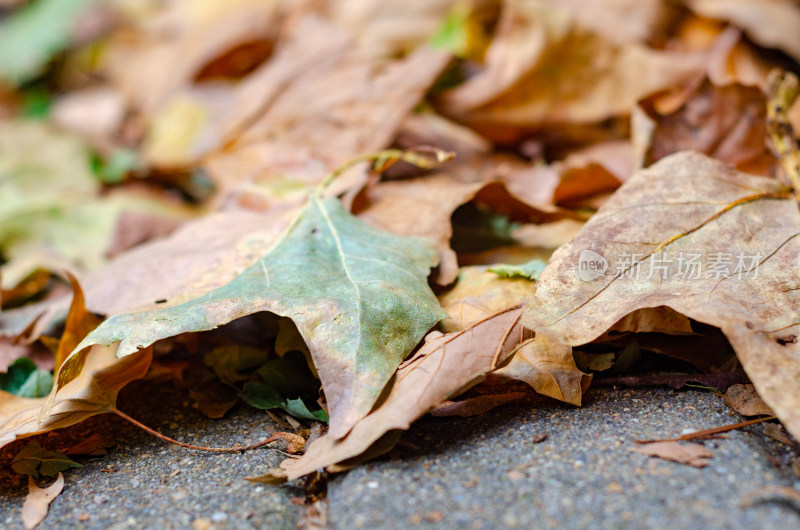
<point x="352" y="212"/>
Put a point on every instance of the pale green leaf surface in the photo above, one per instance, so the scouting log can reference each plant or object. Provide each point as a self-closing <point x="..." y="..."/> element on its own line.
<point x="359" y="297"/>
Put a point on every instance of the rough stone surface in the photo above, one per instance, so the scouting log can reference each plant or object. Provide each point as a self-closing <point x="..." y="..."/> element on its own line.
<point x="145" y="483"/>
<point x="485" y="471"/>
<point x="479" y="472"/>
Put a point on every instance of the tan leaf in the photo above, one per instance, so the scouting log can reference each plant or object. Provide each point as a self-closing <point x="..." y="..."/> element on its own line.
<point x="745" y="400"/>
<point x="584" y="173"/>
<point x="424" y="206"/>
<point x="34" y="509"/>
<point x="684" y="453"/>
<point x="727" y="123"/>
<point x="296" y="136"/>
<point x="578" y="76"/>
<point x="622" y="21"/>
<point x="549" y="368"/>
<point x="770" y="23"/>
<point x="688" y="204"/>
<point x="477" y="295"/>
<point x="78" y="324"/>
<point x="93" y="391"/>
<point x="444" y="366"/>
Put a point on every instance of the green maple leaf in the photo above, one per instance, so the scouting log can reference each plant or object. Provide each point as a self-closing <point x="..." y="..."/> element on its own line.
<point x="358" y="295"/>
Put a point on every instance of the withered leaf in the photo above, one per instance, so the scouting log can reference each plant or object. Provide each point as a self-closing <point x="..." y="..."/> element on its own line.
<point x="740" y="232"/>
<point x="359" y="297"/>
<point x="685" y="453"/>
<point x="549" y="368"/>
<point x="770" y="23"/>
<point x="34" y="509"/>
<point x="578" y="76"/>
<point x="443" y="366"/>
<point x="93" y="391"/>
<point x="745" y="400"/>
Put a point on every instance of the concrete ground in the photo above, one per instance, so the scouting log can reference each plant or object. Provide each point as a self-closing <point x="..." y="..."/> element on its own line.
<point x="479" y="472"/>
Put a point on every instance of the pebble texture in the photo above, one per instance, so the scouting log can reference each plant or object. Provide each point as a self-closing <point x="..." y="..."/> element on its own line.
<point x="486" y="472"/>
<point x="145" y="483"/>
<point x="479" y="472"/>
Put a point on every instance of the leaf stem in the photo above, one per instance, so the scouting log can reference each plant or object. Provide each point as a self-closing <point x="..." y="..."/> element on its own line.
<point x="707" y="433"/>
<point x="234" y="449"/>
<point x="422" y="157"/>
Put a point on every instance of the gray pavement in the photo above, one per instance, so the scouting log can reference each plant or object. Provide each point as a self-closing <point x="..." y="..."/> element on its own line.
<point x="479" y="472"/>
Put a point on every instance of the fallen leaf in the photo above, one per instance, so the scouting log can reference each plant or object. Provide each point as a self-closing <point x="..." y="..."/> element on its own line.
<point x="579" y="76"/>
<point x="34" y="509"/>
<point x="94" y="391"/>
<point x="361" y="302"/>
<point x="442" y="368"/>
<point x="727" y="123"/>
<point x="424" y="207"/>
<point x="78" y="324"/>
<point x="549" y="368"/>
<point x="476" y="405"/>
<point x="684" y="453"/>
<point x="34" y="460"/>
<point x="477" y="295"/>
<point x="782" y="494"/>
<point x="770" y="23"/>
<point x="745" y="400"/>
<point x="687" y="204"/>
<point x="776" y="432"/>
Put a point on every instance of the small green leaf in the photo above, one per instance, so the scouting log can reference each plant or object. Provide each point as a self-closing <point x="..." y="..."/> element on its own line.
<point x="261" y="396"/>
<point x="527" y="271"/>
<point x="34" y="460"/>
<point x="37" y="385"/>
<point x="18" y="373"/>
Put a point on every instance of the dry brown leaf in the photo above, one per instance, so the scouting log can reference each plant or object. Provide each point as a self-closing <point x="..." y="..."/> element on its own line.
<point x="93" y="391"/>
<point x="684" y="453"/>
<point x="340" y="106"/>
<point x="770" y="23"/>
<point x="622" y="21"/>
<point x="443" y="366"/>
<point x="542" y="70"/>
<point x="476" y="405"/>
<point x="777" y="433"/>
<point x="597" y="169"/>
<point x="424" y="206"/>
<point x="78" y="324"/>
<point x="163" y="51"/>
<point x="390" y="27"/>
<point x="743" y="230"/>
<point x="727" y="123"/>
<point x="34" y="509"/>
<point x="745" y="400"/>
<point x="478" y="294"/>
<point x="549" y="368"/>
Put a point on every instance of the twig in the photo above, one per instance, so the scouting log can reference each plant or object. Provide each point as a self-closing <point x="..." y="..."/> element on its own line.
<point x="234" y="449"/>
<point x="707" y="433"/>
